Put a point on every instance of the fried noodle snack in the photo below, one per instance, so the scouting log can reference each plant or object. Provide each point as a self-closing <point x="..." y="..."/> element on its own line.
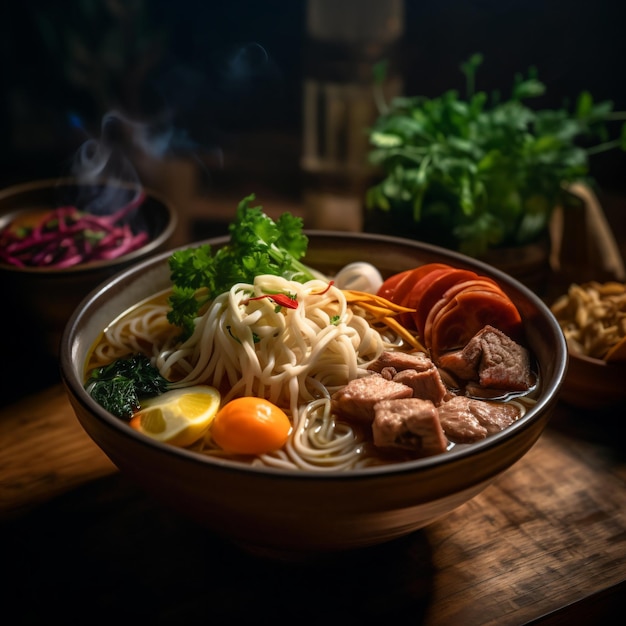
<point x="593" y="318"/>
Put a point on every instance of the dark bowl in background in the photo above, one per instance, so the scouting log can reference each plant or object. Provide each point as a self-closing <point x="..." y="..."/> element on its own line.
<point x="593" y="384"/>
<point x="41" y="300"/>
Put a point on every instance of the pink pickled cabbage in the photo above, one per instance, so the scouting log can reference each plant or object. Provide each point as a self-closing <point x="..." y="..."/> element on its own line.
<point x="66" y="236"/>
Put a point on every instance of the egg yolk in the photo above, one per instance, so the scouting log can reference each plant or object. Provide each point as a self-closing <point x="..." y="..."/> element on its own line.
<point x="250" y="426"/>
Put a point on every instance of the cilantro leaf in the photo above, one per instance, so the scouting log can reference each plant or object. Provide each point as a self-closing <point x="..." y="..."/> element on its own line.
<point x="257" y="245"/>
<point x="465" y="173"/>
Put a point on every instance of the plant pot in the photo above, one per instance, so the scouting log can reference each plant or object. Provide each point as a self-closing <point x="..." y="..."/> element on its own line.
<point x="528" y="263"/>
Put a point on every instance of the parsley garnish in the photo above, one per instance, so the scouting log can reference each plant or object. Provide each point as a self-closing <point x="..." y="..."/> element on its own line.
<point x="469" y="174"/>
<point x="257" y="245"/>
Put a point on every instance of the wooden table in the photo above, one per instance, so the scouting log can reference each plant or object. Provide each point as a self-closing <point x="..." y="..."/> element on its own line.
<point x="546" y="543"/>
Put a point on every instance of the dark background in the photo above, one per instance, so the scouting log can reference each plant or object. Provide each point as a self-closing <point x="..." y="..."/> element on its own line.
<point x="226" y="77"/>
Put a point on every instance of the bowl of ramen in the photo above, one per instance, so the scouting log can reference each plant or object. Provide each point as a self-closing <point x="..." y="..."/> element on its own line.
<point x="307" y="410"/>
<point x="61" y="238"/>
<point x="592" y="316"/>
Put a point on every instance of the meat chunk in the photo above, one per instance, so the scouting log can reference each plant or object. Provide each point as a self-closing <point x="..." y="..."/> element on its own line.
<point x="465" y="420"/>
<point x="458" y="422"/>
<point x="410" y="424"/>
<point x="426" y="384"/>
<point x="357" y="399"/>
<point x="494" y="416"/>
<point x="493" y="359"/>
<point x="400" y="361"/>
<point x="458" y="364"/>
<point x="388" y="372"/>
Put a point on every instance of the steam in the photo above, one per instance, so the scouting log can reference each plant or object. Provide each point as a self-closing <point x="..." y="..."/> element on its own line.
<point x="109" y="156"/>
<point x="125" y="149"/>
<point x="103" y="168"/>
<point x="248" y="61"/>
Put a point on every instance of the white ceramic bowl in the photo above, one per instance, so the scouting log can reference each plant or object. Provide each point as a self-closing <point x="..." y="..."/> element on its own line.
<point x="282" y="512"/>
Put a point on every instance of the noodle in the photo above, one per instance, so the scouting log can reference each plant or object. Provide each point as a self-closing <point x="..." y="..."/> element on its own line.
<point x="256" y="347"/>
<point x="137" y="332"/>
<point x="593" y="317"/>
<point x="294" y="358"/>
<point x="244" y="344"/>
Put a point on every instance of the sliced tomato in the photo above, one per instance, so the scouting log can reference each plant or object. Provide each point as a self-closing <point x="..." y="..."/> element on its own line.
<point x="397" y="287"/>
<point x="430" y="288"/>
<point x="480" y="282"/>
<point x="415" y="276"/>
<point x="492" y="293"/>
<point x="426" y="336"/>
<point x="450" y="305"/>
<point x="389" y="286"/>
<point x="467" y="313"/>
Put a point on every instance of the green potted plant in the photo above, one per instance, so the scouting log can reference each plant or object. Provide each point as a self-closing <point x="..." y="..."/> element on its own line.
<point x="479" y="173"/>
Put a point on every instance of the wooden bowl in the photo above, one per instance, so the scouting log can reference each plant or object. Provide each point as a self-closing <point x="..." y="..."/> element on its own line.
<point x="593" y="384"/>
<point x="285" y="513"/>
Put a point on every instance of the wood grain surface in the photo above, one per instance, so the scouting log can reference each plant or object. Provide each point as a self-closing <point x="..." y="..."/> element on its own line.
<point x="545" y="543"/>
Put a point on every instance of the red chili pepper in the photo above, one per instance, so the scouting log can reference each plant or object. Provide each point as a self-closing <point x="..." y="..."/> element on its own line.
<point x="285" y="300"/>
<point x="288" y="301"/>
<point x="321" y="293"/>
<point x="280" y="299"/>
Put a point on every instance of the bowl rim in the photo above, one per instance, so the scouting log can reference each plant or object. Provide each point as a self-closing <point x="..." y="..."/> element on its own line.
<point x="95" y="266"/>
<point x="595" y="361"/>
<point x="76" y="389"/>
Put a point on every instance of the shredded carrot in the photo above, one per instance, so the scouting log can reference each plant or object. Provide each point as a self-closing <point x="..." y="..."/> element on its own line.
<point x="383" y="312"/>
<point x="377" y="311"/>
<point x="353" y="297"/>
<point x="404" y="333"/>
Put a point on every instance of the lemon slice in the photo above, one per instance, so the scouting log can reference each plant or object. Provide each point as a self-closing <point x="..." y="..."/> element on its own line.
<point x="179" y="417"/>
